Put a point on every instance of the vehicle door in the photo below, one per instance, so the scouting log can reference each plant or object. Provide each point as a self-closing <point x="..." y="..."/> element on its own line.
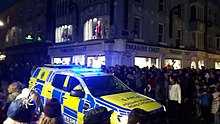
<point x="73" y="100"/>
<point x="54" y="90"/>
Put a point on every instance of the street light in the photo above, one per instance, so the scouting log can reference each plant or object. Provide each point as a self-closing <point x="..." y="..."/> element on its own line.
<point x="1" y="23"/>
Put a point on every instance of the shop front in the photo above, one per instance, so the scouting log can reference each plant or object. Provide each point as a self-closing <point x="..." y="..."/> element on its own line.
<point x="96" y="53"/>
<point x="81" y="54"/>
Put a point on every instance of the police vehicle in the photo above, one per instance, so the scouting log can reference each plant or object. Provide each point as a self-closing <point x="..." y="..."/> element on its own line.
<point x="82" y="89"/>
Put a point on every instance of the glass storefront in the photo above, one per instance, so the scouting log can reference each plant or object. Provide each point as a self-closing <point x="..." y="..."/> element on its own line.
<point x="96" y="28"/>
<point x="63" y="33"/>
<point x="96" y="61"/>
<point x="144" y="62"/>
<point x="63" y="61"/>
<point x="200" y="64"/>
<point x="193" y="65"/>
<point x="173" y="63"/>
<point x="217" y="65"/>
<point x="78" y="60"/>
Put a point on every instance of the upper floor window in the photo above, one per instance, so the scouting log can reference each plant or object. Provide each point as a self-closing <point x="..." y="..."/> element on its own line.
<point x="39" y="7"/>
<point x="218" y="43"/>
<point x="137" y="27"/>
<point x="93" y="1"/>
<point x="197" y="39"/>
<point x="215" y="18"/>
<point x="96" y="28"/>
<point x="161" y="32"/>
<point x="63" y="33"/>
<point x="161" y="5"/>
<point x="197" y="12"/>
<point x="138" y="1"/>
<point x="210" y="15"/>
<point x="180" y="36"/>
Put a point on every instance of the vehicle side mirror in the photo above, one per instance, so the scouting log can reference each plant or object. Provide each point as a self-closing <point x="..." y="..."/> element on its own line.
<point x="77" y="93"/>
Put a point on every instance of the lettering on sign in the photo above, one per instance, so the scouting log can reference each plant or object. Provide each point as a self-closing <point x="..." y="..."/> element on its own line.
<point x="74" y="49"/>
<point x="69" y="120"/>
<point x="135" y="101"/>
<point x="142" y="48"/>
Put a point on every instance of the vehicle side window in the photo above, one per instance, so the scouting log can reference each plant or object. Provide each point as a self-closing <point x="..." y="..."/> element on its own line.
<point x="36" y="73"/>
<point x="58" y="81"/>
<point x="73" y="84"/>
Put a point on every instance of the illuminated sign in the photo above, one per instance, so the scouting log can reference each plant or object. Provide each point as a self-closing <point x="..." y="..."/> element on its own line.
<point x="39" y="38"/>
<point x="74" y="49"/>
<point x="143" y="48"/>
<point x="29" y="37"/>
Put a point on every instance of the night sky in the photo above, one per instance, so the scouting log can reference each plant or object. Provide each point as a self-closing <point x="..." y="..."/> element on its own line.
<point x="5" y="3"/>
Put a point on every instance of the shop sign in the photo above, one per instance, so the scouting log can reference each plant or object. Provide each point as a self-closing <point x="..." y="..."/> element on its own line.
<point x="74" y="49"/>
<point x="133" y="47"/>
<point x="179" y="52"/>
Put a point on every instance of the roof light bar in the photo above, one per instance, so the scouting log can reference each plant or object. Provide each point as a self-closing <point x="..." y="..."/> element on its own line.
<point x="86" y="69"/>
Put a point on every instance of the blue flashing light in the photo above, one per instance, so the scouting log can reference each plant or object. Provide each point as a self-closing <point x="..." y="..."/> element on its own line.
<point x="86" y="69"/>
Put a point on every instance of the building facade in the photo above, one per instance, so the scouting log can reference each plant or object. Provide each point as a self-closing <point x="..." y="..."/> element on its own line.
<point x="178" y="33"/>
<point x="27" y="31"/>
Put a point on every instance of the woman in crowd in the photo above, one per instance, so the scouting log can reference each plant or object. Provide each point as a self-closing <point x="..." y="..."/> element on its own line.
<point x="52" y="113"/>
<point x="20" y="111"/>
<point x="14" y="89"/>
<point x="215" y="110"/>
<point x="174" y="96"/>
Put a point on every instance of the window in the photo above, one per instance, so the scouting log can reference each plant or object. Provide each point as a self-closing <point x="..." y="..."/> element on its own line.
<point x="180" y="36"/>
<point x="137" y="27"/>
<point x="138" y="1"/>
<point x="215" y="18"/>
<point x="58" y="81"/>
<point x="92" y="1"/>
<point x="161" y="33"/>
<point x="197" y="39"/>
<point x="96" y="28"/>
<point x="218" y="43"/>
<point x="197" y="12"/>
<point x="200" y="14"/>
<point x="193" y="13"/>
<point x="39" y="7"/>
<point x="210" y="15"/>
<point x="173" y="63"/>
<point x="105" y="85"/>
<point x="161" y="5"/>
<point x="73" y="84"/>
<point x="64" y="33"/>
<point x="209" y="38"/>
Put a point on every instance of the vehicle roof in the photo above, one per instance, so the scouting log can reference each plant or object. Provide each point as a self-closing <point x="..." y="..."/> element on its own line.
<point x="82" y="72"/>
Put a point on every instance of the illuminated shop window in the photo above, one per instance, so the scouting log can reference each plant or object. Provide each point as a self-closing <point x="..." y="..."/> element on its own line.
<point x="78" y="60"/>
<point x="217" y="65"/>
<point x="201" y="64"/>
<point x="173" y="63"/>
<point x="96" y="28"/>
<point x="193" y="65"/>
<point x="96" y="61"/>
<point x="64" y="33"/>
<point x="144" y="62"/>
<point x="63" y="61"/>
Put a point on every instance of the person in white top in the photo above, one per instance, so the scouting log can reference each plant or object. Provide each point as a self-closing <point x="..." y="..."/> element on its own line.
<point x="174" y="96"/>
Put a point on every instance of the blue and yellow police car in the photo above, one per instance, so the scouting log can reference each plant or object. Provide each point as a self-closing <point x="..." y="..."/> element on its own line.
<point x="82" y="89"/>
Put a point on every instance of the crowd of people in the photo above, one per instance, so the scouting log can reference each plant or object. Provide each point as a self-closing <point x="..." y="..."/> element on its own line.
<point x="22" y="107"/>
<point x="187" y="91"/>
<point x="184" y="91"/>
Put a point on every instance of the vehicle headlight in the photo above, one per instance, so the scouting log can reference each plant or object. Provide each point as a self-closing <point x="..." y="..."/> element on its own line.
<point x="123" y="119"/>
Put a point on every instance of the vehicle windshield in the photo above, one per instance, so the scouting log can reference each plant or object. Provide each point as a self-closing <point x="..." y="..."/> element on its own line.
<point x="105" y="85"/>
